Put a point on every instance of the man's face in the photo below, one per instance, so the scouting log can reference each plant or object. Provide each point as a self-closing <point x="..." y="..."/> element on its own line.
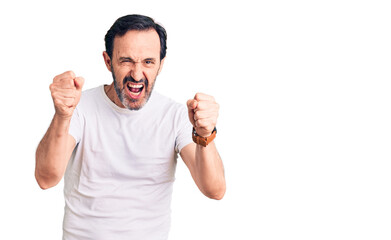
<point x="135" y="65"/>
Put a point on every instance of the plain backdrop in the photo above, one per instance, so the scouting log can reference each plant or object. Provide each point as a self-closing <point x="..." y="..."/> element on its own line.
<point x="304" y="127"/>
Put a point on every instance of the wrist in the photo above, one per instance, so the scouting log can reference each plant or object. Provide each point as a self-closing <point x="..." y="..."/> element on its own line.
<point x="202" y="140"/>
<point x="60" y="125"/>
<point x="62" y="118"/>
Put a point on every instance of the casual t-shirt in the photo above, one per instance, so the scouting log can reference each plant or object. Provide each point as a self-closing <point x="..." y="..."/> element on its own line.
<point x="119" y="180"/>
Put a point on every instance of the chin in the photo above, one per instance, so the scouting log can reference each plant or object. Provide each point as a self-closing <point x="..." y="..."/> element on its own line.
<point x="134" y="104"/>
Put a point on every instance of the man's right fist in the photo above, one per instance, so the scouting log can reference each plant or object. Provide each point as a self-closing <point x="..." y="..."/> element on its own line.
<point x="66" y="91"/>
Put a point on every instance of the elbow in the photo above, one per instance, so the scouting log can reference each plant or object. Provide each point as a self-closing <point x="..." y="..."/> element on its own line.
<point x="46" y="182"/>
<point x="217" y="194"/>
<point x="43" y="185"/>
<point x="217" y="197"/>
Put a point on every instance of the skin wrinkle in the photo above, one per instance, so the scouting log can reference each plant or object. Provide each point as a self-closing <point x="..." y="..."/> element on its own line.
<point x="135" y="60"/>
<point x="121" y="94"/>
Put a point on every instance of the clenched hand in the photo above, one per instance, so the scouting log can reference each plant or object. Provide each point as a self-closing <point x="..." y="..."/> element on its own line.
<point x="203" y="113"/>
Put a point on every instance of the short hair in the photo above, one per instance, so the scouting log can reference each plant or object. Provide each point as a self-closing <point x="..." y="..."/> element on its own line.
<point x="135" y="22"/>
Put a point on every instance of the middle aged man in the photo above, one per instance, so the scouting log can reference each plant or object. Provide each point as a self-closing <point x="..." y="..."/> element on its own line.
<point x="117" y="144"/>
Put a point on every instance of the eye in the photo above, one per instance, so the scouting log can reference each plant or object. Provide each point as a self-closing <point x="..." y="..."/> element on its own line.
<point x="125" y="61"/>
<point x="149" y="62"/>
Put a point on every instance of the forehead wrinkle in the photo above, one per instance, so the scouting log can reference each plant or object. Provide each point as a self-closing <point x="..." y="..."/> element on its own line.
<point x="138" y="45"/>
<point x="142" y="56"/>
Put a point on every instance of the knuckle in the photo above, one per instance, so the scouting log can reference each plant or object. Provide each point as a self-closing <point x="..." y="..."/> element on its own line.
<point x="68" y="81"/>
<point x="54" y="93"/>
<point x="198" y="96"/>
<point x="69" y="74"/>
<point x="200" y="105"/>
<point x="56" y="101"/>
<point x="197" y="115"/>
<point x="56" y="78"/>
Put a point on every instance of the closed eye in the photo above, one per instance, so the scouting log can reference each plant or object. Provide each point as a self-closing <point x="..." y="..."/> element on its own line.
<point x="148" y="62"/>
<point x="126" y="59"/>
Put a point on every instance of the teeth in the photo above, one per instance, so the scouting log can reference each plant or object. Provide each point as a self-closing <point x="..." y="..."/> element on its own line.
<point x="135" y="94"/>
<point x="136" y="86"/>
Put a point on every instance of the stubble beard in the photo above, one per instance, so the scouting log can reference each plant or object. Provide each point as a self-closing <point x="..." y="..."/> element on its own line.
<point x="128" y="102"/>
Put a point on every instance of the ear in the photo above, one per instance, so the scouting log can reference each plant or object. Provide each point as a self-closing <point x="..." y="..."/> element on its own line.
<point x="107" y="60"/>
<point x="161" y="65"/>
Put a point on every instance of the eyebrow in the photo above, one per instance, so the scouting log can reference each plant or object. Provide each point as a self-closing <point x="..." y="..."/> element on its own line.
<point x="130" y="59"/>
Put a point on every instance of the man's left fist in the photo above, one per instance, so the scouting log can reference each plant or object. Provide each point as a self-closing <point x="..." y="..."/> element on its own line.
<point x="203" y="113"/>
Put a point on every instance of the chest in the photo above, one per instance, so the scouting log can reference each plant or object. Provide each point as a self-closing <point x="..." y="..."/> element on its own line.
<point x="140" y="149"/>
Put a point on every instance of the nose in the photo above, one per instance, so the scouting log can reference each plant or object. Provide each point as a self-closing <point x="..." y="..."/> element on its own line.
<point x="137" y="72"/>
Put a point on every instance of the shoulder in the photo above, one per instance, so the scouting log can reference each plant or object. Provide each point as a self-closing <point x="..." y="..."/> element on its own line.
<point x="91" y="93"/>
<point x="168" y="109"/>
<point x="167" y="103"/>
<point x="89" y="98"/>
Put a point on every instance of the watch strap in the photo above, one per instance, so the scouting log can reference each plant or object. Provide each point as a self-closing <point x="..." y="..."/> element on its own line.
<point x="204" y="141"/>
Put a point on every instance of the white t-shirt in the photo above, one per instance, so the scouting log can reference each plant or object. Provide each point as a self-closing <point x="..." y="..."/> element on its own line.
<point x="119" y="180"/>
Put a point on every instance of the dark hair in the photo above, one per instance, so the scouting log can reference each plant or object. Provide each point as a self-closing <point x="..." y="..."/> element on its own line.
<point x="134" y="22"/>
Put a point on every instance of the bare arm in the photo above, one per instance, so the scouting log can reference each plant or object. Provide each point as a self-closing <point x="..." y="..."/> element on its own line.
<point x="56" y="147"/>
<point x="206" y="168"/>
<point x="53" y="153"/>
<point x="204" y="163"/>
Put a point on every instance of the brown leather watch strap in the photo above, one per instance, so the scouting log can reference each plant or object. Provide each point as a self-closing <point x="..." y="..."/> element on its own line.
<point x="204" y="141"/>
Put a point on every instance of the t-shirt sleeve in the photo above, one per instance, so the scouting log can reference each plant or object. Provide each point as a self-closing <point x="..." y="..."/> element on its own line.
<point x="75" y="126"/>
<point x="184" y="130"/>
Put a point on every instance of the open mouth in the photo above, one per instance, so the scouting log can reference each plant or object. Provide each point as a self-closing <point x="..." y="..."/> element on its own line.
<point x="135" y="90"/>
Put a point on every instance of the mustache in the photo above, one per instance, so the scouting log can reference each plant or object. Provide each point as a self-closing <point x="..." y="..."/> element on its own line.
<point x="132" y="80"/>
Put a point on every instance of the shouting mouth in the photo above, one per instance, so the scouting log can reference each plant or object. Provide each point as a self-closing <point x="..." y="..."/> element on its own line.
<point x="134" y="90"/>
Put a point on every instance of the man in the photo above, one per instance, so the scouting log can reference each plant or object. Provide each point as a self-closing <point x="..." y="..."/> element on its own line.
<point x="117" y="144"/>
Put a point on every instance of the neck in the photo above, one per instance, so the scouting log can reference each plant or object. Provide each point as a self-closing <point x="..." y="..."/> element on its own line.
<point x="112" y="95"/>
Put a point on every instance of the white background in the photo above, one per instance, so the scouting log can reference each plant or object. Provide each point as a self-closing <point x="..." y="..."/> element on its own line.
<point x="304" y="127"/>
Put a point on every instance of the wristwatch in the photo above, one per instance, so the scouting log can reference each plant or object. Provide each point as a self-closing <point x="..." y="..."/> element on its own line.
<point x="204" y="141"/>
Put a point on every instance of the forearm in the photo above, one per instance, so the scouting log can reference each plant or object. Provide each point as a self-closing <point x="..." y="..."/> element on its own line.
<point x="51" y="153"/>
<point x="210" y="171"/>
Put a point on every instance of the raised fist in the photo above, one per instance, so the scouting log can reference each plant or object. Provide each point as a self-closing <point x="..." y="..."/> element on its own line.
<point x="203" y="113"/>
<point x="66" y="91"/>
